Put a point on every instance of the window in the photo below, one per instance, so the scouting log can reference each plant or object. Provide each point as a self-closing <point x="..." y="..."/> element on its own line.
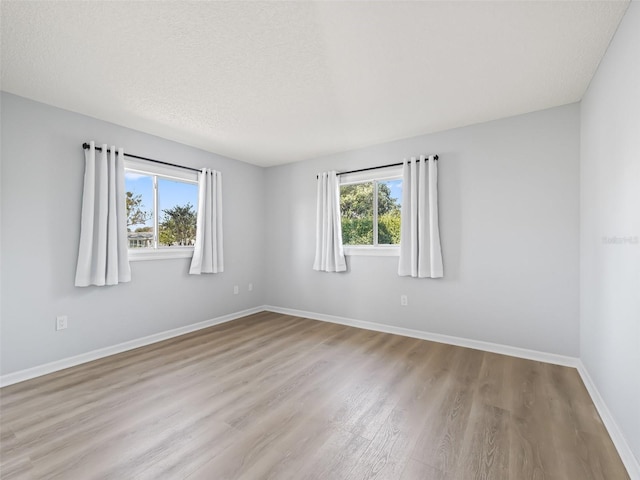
<point x="370" y="207"/>
<point x="162" y="203"/>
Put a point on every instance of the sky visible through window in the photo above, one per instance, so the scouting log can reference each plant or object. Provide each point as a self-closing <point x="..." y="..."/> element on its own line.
<point x="171" y="193"/>
<point x="396" y="189"/>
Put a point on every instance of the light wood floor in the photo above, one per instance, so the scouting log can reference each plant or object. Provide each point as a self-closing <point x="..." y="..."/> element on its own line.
<point x="277" y="397"/>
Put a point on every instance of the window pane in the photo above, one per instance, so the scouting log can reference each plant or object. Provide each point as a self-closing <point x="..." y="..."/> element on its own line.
<point x="177" y="203"/>
<point x="356" y="207"/>
<point x="389" y="203"/>
<point x="139" y="188"/>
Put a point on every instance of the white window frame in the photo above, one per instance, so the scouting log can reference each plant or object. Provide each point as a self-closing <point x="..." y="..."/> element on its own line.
<point x="172" y="173"/>
<point x="381" y="174"/>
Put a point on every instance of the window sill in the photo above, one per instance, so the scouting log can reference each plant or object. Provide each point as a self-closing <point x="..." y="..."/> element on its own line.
<point x="141" y="254"/>
<point x="390" y="251"/>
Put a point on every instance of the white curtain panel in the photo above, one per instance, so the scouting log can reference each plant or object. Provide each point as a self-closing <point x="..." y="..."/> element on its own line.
<point x="207" y="253"/>
<point x="420" y="252"/>
<point x="329" y="251"/>
<point x="103" y="252"/>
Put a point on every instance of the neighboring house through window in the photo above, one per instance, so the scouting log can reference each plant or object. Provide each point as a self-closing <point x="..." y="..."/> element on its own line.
<point x="162" y="203"/>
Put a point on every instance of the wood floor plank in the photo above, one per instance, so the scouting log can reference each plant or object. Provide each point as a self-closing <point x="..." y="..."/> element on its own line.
<point x="385" y="388"/>
<point x="121" y="372"/>
<point x="273" y="396"/>
<point x="532" y="454"/>
<point x="19" y="468"/>
<point x="447" y="418"/>
<point x="415" y="470"/>
<point x="574" y="426"/>
<point x="485" y="448"/>
<point x="136" y="404"/>
<point x="386" y="455"/>
<point x="335" y="458"/>
<point x="446" y="407"/>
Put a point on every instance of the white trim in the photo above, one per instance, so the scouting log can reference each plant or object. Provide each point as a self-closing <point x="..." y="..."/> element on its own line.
<point x="167" y="171"/>
<point x="624" y="450"/>
<point x="51" y="367"/>
<point x="380" y="174"/>
<point x="435" y="337"/>
<point x="370" y="250"/>
<point x="162" y="253"/>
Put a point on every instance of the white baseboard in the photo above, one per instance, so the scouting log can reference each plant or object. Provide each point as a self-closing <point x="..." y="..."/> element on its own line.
<point x="51" y="367"/>
<point x="624" y="450"/>
<point x="434" y="337"/>
<point x="26" y="374"/>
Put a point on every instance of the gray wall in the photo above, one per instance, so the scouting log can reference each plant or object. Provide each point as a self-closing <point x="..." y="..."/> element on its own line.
<point x="509" y="223"/>
<point x="610" y="212"/>
<point x="42" y="172"/>
<point x="509" y="226"/>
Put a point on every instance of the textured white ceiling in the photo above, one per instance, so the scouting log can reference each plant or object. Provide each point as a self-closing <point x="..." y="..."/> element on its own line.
<point x="277" y="82"/>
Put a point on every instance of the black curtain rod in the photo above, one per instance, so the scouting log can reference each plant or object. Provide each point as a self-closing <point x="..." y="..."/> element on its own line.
<point x="435" y="157"/>
<point x="86" y="145"/>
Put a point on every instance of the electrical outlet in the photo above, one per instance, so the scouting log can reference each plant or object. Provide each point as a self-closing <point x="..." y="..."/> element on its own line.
<point x="251" y="287"/>
<point x="236" y="290"/>
<point x="404" y="300"/>
<point x="61" y="322"/>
